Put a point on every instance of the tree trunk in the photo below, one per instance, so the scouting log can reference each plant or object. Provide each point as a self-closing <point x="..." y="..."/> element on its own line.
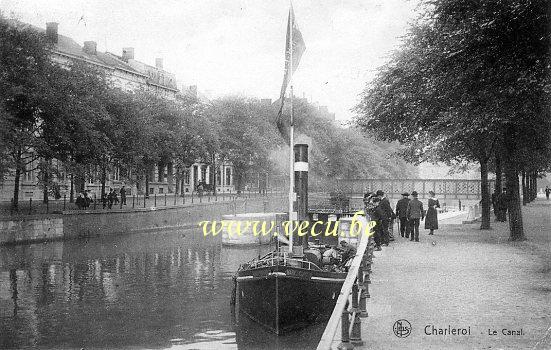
<point x="534" y="186"/>
<point x="178" y="181"/>
<point x="45" y="179"/>
<point x="485" y="189"/>
<point x="146" y="194"/>
<point x="525" y="191"/>
<point x="16" y="180"/>
<point x="72" y="191"/>
<point x="513" y="202"/>
<point x="214" y="171"/>
<point x="103" y="180"/>
<point x="170" y="177"/>
<point x="499" y="171"/>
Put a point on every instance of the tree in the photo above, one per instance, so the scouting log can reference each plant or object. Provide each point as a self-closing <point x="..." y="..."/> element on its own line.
<point x="23" y="65"/>
<point x="468" y="82"/>
<point x="246" y="136"/>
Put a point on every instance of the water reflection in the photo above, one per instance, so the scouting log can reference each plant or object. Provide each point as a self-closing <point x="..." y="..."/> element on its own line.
<point x="164" y="290"/>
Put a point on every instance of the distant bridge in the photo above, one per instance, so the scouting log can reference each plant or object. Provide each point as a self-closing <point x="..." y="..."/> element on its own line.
<point x="393" y="188"/>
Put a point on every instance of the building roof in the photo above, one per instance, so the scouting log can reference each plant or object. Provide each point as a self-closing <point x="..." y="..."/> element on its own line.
<point x="67" y="46"/>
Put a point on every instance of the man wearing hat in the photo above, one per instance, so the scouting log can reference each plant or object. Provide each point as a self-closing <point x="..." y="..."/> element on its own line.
<point x="387" y="218"/>
<point x="415" y="214"/>
<point x="402" y="214"/>
<point x="377" y="214"/>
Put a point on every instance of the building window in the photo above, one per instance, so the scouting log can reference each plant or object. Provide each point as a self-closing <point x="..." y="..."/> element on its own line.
<point x="186" y="177"/>
<point x="204" y="173"/>
<point x="161" y="190"/>
<point x="151" y="190"/>
<point x="218" y="176"/>
<point x="29" y="172"/>
<point x="228" y="176"/>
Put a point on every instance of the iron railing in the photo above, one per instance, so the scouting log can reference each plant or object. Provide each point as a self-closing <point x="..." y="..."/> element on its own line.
<point x="351" y="305"/>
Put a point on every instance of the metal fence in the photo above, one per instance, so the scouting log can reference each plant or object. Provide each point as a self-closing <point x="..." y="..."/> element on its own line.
<point x="351" y="305"/>
<point x="443" y="188"/>
<point x="34" y="207"/>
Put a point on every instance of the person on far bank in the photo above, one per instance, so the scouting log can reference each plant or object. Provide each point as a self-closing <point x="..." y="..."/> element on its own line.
<point x="110" y="199"/>
<point x="80" y="203"/>
<point x="123" y="196"/>
<point x="547" y="192"/>
<point x="415" y="214"/>
<point x="388" y="215"/>
<point x="431" y="220"/>
<point x="104" y="199"/>
<point x="402" y="214"/>
<point x="377" y="214"/>
<point x="501" y="203"/>
<point x="87" y="199"/>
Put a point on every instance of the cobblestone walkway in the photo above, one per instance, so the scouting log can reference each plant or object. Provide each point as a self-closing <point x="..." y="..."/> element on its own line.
<point x="465" y="278"/>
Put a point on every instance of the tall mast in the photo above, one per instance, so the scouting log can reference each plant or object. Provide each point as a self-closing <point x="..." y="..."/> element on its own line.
<point x="292" y="195"/>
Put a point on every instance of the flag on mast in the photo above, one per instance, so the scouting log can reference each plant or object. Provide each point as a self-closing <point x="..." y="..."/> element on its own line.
<point x="297" y="47"/>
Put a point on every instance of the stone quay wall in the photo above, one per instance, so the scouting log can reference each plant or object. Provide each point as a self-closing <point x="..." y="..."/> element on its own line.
<point x="83" y="224"/>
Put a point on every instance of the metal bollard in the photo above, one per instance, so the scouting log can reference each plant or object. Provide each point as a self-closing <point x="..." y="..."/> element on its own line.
<point x="363" y="295"/>
<point x="363" y="302"/>
<point x="367" y="282"/>
<point x="133" y="201"/>
<point x="345" y="325"/>
<point x="165" y="199"/>
<point x="191" y="196"/>
<point x="30" y="206"/>
<point x="354" y="298"/>
<point x="356" y="336"/>
<point x="155" y="199"/>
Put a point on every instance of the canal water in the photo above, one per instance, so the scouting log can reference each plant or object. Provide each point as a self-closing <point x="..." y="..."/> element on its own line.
<point x="164" y="290"/>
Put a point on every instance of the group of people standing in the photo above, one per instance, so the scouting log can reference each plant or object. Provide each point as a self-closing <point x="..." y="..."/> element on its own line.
<point x="111" y="198"/>
<point x="409" y="212"/>
<point x="84" y="200"/>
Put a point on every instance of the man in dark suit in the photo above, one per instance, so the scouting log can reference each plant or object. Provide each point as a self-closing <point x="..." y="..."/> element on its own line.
<point x="402" y="214"/>
<point x="415" y="214"/>
<point x="387" y="218"/>
<point x="376" y="214"/>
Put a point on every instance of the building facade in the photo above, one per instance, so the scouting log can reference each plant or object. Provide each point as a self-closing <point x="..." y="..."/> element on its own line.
<point x="130" y="75"/>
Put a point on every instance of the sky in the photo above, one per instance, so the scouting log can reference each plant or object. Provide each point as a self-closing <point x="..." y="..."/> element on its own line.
<point x="236" y="47"/>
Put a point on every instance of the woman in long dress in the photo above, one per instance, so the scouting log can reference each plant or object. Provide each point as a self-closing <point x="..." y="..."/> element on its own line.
<point x="431" y="220"/>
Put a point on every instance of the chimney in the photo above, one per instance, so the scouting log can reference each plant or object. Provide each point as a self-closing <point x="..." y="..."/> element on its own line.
<point x="127" y="53"/>
<point x="159" y="63"/>
<point x="90" y="47"/>
<point x="51" y="32"/>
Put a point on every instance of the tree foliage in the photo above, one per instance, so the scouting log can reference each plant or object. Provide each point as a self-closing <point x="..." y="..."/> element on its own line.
<point x="470" y="81"/>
